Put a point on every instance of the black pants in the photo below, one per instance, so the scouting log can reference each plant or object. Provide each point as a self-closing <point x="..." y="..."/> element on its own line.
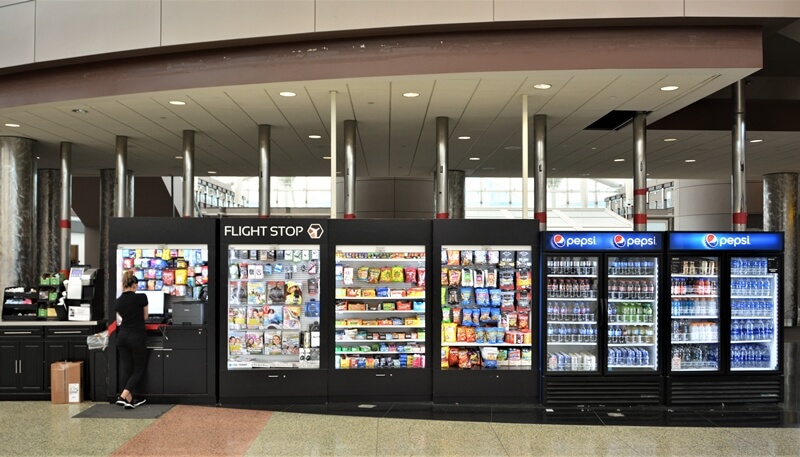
<point x="132" y="350"/>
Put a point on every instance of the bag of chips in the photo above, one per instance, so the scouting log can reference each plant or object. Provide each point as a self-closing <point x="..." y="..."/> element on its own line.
<point x="410" y="275"/>
<point x="453" y="257"/>
<point x="374" y="275"/>
<point x="421" y="277"/>
<point x="386" y="274"/>
<point x="489" y="357"/>
<point x="466" y="295"/>
<point x="466" y="258"/>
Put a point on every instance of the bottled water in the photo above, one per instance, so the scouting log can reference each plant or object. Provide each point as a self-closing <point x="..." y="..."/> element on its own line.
<point x="749" y="330"/>
<point x="735" y="331"/>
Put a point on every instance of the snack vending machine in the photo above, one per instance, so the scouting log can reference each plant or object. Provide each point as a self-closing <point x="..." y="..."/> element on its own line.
<point x="725" y="320"/>
<point x="486" y="310"/>
<point x="275" y="281"/>
<point x="601" y="318"/>
<point x="380" y="300"/>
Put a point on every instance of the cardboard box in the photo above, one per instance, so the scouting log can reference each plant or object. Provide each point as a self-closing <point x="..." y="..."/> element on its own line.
<point x="80" y="313"/>
<point x="66" y="385"/>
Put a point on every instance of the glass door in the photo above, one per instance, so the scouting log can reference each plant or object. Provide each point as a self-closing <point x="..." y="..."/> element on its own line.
<point x="632" y="312"/>
<point x="754" y="313"/>
<point x="572" y="314"/>
<point x="694" y="323"/>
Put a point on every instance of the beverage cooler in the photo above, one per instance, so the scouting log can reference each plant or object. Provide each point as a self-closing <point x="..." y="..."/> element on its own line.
<point x="380" y="295"/>
<point x="601" y="318"/>
<point x="486" y="310"/>
<point x="274" y="274"/>
<point x="725" y="327"/>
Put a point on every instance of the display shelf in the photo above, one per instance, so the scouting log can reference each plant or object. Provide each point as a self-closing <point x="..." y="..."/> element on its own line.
<point x="630" y="276"/>
<point x="465" y="344"/>
<point x="629" y="300"/>
<point x="750" y="341"/>
<point x="748" y="297"/>
<point x="651" y="367"/>
<point x="709" y="316"/>
<point x="382" y="313"/>
<point x="744" y="318"/>
<point x="592" y="299"/>
<point x="632" y="323"/>
<point x="679" y="275"/>
<point x="696" y="342"/>
<point x="380" y="298"/>
<point x="754" y="276"/>
<point x="407" y="340"/>
<point x="754" y="369"/>
<point x="387" y="260"/>
<point x="338" y="327"/>
<point x="422" y="351"/>
<point x="574" y="322"/>
<point x="554" y="343"/>
<point x="694" y="369"/>
<point x="570" y="276"/>
<point x="631" y="344"/>
<point x="701" y="296"/>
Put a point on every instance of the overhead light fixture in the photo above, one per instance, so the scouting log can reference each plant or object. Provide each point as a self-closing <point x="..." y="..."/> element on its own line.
<point x="690" y="160"/>
<point x="177" y="102"/>
<point x="211" y="172"/>
<point x="619" y="160"/>
<point x="756" y="141"/>
<point x="12" y="125"/>
<point x="286" y="94"/>
<point x="326" y="157"/>
<point x="474" y="158"/>
<point x="669" y="88"/>
<point x="37" y="157"/>
<point x="542" y="86"/>
<point x="464" y="138"/>
<point x="315" y="137"/>
<point x="179" y="157"/>
<point x="79" y="111"/>
<point x="410" y="94"/>
<point x="667" y="140"/>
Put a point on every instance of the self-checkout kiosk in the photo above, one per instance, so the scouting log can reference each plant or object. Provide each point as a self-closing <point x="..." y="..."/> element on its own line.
<point x="85" y="291"/>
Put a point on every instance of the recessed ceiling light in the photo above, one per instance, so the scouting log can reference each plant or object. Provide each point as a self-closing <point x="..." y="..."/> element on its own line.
<point x="670" y="139"/>
<point x="315" y="137"/>
<point x="37" y="157"/>
<point x="474" y="158"/>
<point x="79" y="111"/>
<point x="177" y="102"/>
<point x="542" y="86"/>
<point x="669" y="88"/>
<point x="179" y="157"/>
<point x="512" y="148"/>
<point x="619" y="160"/>
<point x="690" y="161"/>
<point x="756" y="141"/>
<point x="12" y="125"/>
<point x="327" y="157"/>
<point x="410" y="94"/>
<point x="212" y="172"/>
<point x="286" y="94"/>
<point x="463" y="138"/>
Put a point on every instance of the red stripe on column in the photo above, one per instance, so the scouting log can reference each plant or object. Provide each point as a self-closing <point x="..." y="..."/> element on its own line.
<point x="263" y="216"/>
<point x="541" y="217"/>
<point x="349" y="216"/>
<point x="64" y="224"/>
<point x="442" y="215"/>
<point x="740" y="218"/>
<point x="64" y="273"/>
<point x="639" y="219"/>
<point x="639" y="192"/>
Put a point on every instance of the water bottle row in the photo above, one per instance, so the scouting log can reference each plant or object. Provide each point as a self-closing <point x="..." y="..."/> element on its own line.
<point x="630" y="312"/>
<point x="749" y="266"/>
<point x="571" y="288"/>
<point x="752" y="308"/>
<point x="571" y="361"/>
<point x="750" y="356"/>
<point x="706" y="332"/>
<point x="747" y="287"/>
<point x="571" y="266"/>
<point x="627" y="334"/>
<point x="695" y="356"/>
<point x="752" y="329"/>
<point x="570" y="311"/>
<point x="695" y="307"/>
<point x="699" y="267"/>
<point x="572" y="333"/>
<point x="628" y="357"/>
<point x="694" y="286"/>
<point x="643" y="289"/>
<point x="632" y="266"/>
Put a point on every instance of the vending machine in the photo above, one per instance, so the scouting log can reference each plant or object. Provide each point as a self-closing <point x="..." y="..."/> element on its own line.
<point x="486" y="321"/>
<point x="600" y="317"/>
<point x="380" y="295"/>
<point x="273" y="313"/>
<point x="725" y="342"/>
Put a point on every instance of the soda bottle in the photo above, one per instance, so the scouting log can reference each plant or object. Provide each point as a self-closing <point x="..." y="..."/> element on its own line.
<point x="563" y="311"/>
<point x="612" y="312"/>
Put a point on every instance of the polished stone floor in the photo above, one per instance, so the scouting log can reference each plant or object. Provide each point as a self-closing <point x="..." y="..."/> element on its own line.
<point x="413" y="429"/>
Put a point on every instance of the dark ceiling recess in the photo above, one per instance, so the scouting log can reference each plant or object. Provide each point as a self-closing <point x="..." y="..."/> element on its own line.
<point x="614" y="120"/>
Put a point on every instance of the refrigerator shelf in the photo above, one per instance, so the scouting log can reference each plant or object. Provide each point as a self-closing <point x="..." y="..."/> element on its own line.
<point x="700" y="296"/>
<point x="695" y="342"/>
<point x="750" y="341"/>
<point x="344" y="259"/>
<point x="696" y="369"/>
<point x="643" y="324"/>
<point x="409" y="297"/>
<point x="407" y="340"/>
<point x="571" y="276"/>
<point x="751" y="317"/>
<point x="630" y="276"/>
<point x="378" y="352"/>
<point x="747" y="297"/>
<point x="572" y="299"/>
<point x="754" y="369"/>
<point x="631" y="366"/>
<point x="630" y="344"/>
<point x="572" y="322"/>
<point x="753" y="276"/>
<point x="699" y="316"/>
<point x="553" y="343"/>
<point x="343" y="327"/>
<point x="465" y="344"/>
<point x="629" y="300"/>
<point x="382" y="313"/>
<point x="678" y="275"/>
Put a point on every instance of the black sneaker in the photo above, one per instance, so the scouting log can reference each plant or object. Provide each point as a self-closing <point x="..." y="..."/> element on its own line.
<point x="134" y="403"/>
<point x="121" y="401"/>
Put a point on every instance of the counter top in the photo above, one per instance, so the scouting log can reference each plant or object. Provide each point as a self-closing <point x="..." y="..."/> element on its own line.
<point x="46" y="323"/>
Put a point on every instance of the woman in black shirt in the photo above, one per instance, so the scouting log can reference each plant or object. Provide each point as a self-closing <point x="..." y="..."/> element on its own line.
<point x="131" y="339"/>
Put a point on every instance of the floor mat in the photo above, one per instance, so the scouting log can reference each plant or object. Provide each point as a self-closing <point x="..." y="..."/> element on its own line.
<point x="112" y="411"/>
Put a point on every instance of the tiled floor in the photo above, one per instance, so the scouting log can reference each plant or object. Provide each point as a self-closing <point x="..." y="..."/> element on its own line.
<point x="413" y="429"/>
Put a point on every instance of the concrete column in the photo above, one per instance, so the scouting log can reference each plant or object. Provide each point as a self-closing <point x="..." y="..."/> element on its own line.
<point x="109" y="201"/>
<point x="349" y="169"/>
<point x="540" y="162"/>
<point x="121" y="176"/>
<point x="456" y="180"/>
<point x="188" y="173"/>
<point x="264" y="175"/>
<point x="525" y="155"/>
<point x="17" y="211"/>
<point x="65" y="222"/>
<point x="129" y="193"/>
<point x="738" y="177"/>
<point x="780" y="215"/>
<point x="442" y="163"/>
<point x="639" y="172"/>
<point x="48" y="211"/>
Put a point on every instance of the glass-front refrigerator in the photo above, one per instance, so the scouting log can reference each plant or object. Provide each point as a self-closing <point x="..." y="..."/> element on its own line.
<point x="273" y="316"/>
<point x="726" y="342"/>
<point x="486" y="310"/>
<point x="601" y="317"/>
<point x="380" y="300"/>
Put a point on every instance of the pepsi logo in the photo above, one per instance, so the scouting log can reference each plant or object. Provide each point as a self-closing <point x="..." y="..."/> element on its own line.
<point x="710" y="240"/>
<point x="619" y="241"/>
<point x="559" y="241"/>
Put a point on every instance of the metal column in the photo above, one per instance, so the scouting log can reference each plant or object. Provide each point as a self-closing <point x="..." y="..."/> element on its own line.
<point x="110" y="199"/>
<point x="129" y="193"/>
<point x="780" y="215"/>
<point x="48" y="209"/>
<point x="440" y="174"/>
<point x="738" y="191"/>
<point x="17" y="212"/>
<point x="264" y="175"/>
<point x="455" y="193"/>
<point x="121" y="176"/>
<point x="525" y="156"/>
<point x="639" y="172"/>
<point x="540" y="180"/>
<point x="333" y="154"/>
<point x="349" y="169"/>
<point x="188" y="173"/>
<point x="65" y="223"/>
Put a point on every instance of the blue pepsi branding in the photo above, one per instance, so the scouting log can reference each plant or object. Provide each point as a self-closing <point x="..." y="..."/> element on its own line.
<point x="726" y="241"/>
<point x="603" y="241"/>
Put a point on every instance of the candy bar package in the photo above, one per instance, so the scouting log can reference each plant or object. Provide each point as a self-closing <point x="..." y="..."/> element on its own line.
<point x="524" y="259"/>
<point x="374" y="275"/>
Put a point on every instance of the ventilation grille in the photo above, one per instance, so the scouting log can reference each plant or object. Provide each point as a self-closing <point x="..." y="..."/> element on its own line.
<point x="687" y="391"/>
<point x="593" y="391"/>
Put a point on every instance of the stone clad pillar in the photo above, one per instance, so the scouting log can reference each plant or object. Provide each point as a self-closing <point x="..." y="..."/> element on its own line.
<point x="780" y="215"/>
<point x="48" y="212"/>
<point x="17" y="211"/>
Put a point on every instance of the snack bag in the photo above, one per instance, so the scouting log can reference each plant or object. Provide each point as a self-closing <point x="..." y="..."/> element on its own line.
<point x="512" y="320"/>
<point x="373" y="275"/>
<point x="480" y="335"/>
<point x="466" y="258"/>
<point x="421" y="277"/>
<point x="456" y="314"/>
<point x="482" y="296"/>
<point x="485" y="316"/>
<point x="495" y="298"/>
<point x="444" y="257"/>
<point x="445" y="277"/>
<point x="455" y="277"/>
<point x="362" y="273"/>
<point x="453" y="257"/>
<point x="523" y="321"/>
<point x="506" y="280"/>
<point x="410" y="275"/>
<point x="444" y="295"/>
<point x="480" y="257"/>
<point x="445" y="357"/>
<point x="524" y="299"/>
<point x="524" y="259"/>
<point x="523" y="279"/>
<point x="398" y="275"/>
<point x="493" y="257"/>
<point x="489" y="357"/>
<point x="476" y="317"/>
<point x="446" y="314"/>
<point x="466" y="317"/>
<point x="449" y="333"/>
<point x="347" y="276"/>
<point x="466" y="295"/>
<point x="474" y="358"/>
<point x="506" y="259"/>
<point x="461" y="334"/>
<point x="453" y="357"/>
<point x="478" y="278"/>
<point x="463" y="359"/>
<point x="386" y="274"/>
<point x="452" y="295"/>
<point x="506" y="301"/>
<point x="491" y="278"/>
<point x="471" y="334"/>
<point x="466" y="277"/>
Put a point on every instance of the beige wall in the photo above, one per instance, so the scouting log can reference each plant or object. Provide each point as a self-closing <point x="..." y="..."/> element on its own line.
<point x="44" y="30"/>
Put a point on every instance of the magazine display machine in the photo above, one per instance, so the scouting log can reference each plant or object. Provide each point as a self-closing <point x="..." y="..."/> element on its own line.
<point x="273" y="312"/>
<point x="175" y="262"/>
<point x="380" y="294"/>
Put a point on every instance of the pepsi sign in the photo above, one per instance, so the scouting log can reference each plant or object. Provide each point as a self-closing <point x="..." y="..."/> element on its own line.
<point x="726" y="241"/>
<point x="603" y="241"/>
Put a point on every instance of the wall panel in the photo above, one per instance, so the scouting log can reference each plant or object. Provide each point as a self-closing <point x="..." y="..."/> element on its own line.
<point x="527" y="10"/>
<point x="16" y="33"/>
<point x="743" y="8"/>
<point x="370" y="14"/>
